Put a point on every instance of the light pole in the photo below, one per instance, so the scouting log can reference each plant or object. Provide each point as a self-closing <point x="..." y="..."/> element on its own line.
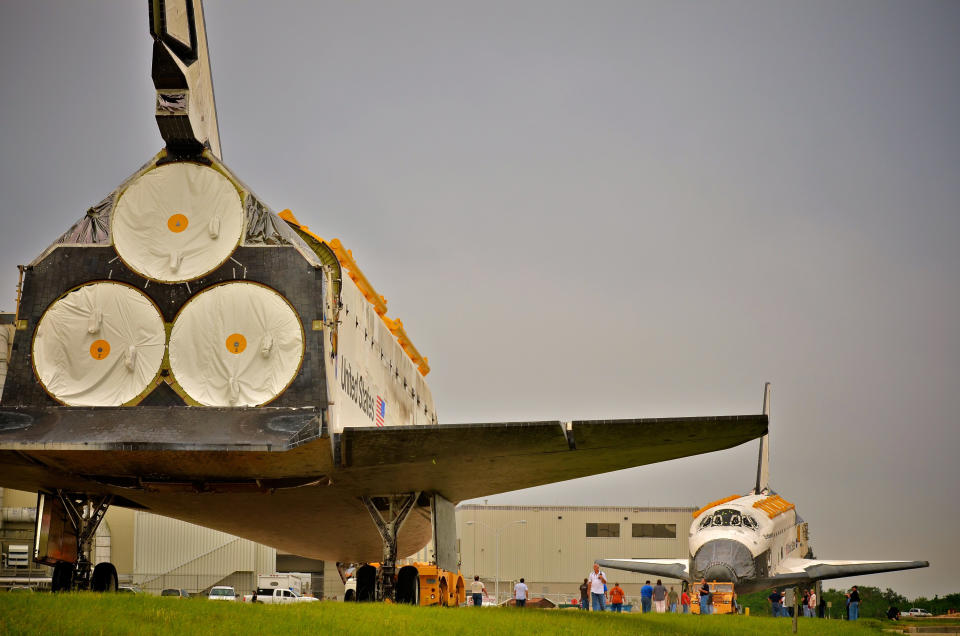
<point x="496" y="532"/>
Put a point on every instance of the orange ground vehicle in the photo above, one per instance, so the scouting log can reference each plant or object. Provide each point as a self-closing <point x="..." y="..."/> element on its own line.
<point x="721" y="597"/>
<point x="416" y="584"/>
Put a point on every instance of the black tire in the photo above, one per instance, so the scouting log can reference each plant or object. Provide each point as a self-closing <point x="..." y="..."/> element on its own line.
<point x="62" y="578"/>
<point x="104" y="578"/>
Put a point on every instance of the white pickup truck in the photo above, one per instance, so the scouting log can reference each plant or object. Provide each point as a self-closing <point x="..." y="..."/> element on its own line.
<point x="276" y="596"/>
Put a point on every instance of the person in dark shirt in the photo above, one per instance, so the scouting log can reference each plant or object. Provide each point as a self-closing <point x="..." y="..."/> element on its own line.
<point x="775" y="604"/>
<point x="705" y="597"/>
<point x="854" y="603"/>
<point x="585" y="596"/>
<point x="893" y="613"/>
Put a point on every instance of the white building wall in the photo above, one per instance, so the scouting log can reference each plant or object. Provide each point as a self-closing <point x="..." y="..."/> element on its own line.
<point x="176" y="554"/>
<point x="551" y="549"/>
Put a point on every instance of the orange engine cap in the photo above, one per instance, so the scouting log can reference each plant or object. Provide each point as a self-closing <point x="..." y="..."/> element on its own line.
<point x="236" y="343"/>
<point x="177" y="223"/>
<point x="100" y="349"/>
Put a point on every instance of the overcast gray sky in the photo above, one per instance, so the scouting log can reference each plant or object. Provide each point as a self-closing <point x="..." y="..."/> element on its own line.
<point x="591" y="210"/>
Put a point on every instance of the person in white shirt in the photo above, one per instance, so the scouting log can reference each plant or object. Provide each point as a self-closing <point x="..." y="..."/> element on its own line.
<point x="478" y="590"/>
<point x="520" y="593"/>
<point x="597" y="581"/>
<point x="811" y="609"/>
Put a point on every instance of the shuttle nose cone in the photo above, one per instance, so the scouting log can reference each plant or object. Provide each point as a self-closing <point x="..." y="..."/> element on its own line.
<point x="723" y="560"/>
<point x="720" y="572"/>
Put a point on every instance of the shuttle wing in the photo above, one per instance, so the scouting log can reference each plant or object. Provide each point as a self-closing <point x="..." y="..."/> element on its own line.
<point x="667" y="568"/>
<point x="463" y="461"/>
<point x="115" y="446"/>
<point x="817" y="569"/>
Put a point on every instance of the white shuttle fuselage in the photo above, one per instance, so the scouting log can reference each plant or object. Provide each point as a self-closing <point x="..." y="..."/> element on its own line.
<point x="745" y="538"/>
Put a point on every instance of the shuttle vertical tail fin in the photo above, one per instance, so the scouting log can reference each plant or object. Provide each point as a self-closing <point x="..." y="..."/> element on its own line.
<point x="186" y="111"/>
<point x="763" y="463"/>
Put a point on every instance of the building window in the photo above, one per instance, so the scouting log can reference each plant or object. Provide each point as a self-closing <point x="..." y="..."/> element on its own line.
<point x="655" y="530"/>
<point x="603" y="529"/>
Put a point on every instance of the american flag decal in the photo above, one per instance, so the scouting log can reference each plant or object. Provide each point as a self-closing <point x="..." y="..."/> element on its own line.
<point x="381" y="412"/>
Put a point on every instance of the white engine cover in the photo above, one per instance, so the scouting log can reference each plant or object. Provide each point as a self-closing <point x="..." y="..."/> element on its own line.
<point x="177" y="222"/>
<point x="236" y="344"/>
<point x="100" y="345"/>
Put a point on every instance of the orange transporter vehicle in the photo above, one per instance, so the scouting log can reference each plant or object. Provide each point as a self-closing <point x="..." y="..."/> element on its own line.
<point x="721" y="597"/>
<point x="416" y="584"/>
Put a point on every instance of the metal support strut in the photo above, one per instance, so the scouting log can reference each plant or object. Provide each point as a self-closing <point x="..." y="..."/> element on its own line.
<point x="396" y="509"/>
<point x="85" y="513"/>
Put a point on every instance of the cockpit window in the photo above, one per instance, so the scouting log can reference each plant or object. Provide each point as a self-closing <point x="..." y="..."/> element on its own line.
<point x="729" y="517"/>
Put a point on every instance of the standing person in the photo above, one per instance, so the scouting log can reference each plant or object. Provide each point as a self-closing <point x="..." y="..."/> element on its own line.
<point x="854" y="603"/>
<point x="685" y="601"/>
<point x="775" y="605"/>
<point x="704" y="597"/>
<point x="805" y="603"/>
<point x="660" y="597"/>
<point x="646" y="597"/>
<point x="672" y="600"/>
<point x="597" y="580"/>
<point x="478" y="590"/>
<point x="812" y="604"/>
<point x="616" y="598"/>
<point x="585" y="596"/>
<point x="520" y="593"/>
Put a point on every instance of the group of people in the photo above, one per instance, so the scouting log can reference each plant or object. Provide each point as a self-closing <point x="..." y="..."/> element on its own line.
<point x="478" y="590"/>
<point x="659" y="597"/>
<point x="594" y="594"/>
<point x="782" y="603"/>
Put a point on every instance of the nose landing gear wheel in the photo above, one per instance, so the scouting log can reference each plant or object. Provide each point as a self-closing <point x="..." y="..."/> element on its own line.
<point x="104" y="578"/>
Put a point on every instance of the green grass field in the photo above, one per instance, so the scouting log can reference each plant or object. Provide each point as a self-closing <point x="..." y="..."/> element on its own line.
<point x="88" y="613"/>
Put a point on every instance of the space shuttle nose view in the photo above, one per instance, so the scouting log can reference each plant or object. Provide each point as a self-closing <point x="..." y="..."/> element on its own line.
<point x="184" y="349"/>
<point x="755" y="541"/>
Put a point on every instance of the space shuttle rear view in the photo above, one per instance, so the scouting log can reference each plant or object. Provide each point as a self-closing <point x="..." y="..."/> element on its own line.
<point x="756" y="541"/>
<point x="185" y="350"/>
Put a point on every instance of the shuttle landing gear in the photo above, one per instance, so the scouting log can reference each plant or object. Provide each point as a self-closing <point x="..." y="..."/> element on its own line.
<point x="388" y="514"/>
<point x="66" y="525"/>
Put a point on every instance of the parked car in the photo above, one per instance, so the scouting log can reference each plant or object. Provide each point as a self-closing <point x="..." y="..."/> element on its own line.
<point x="222" y="593"/>
<point x="128" y="589"/>
<point x="276" y="596"/>
<point x="171" y="591"/>
<point x="916" y="612"/>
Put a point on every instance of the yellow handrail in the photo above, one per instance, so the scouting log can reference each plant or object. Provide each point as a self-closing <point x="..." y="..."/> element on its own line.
<point x="353" y="270"/>
<point x="774" y="505"/>
<point x="379" y="303"/>
<point x="396" y="328"/>
<point x="714" y="503"/>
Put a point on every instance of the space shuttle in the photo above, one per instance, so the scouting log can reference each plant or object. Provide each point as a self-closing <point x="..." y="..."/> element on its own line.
<point x="756" y="541"/>
<point x="184" y="349"/>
